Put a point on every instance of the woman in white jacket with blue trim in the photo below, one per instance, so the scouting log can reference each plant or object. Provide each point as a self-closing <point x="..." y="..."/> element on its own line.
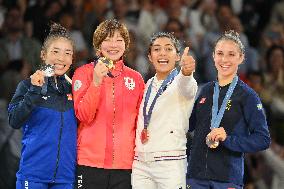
<point x="160" y="153"/>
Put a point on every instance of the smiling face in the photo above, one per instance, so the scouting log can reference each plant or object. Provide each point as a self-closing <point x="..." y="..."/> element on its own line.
<point x="227" y="57"/>
<point x="163" y="55"/>
<point x="111" y="39"/>
<point x="59" y="53"/>
<point x="113" y="47"/>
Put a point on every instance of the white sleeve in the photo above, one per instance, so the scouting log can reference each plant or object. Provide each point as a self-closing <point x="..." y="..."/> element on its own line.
<point x="187" y="85"/>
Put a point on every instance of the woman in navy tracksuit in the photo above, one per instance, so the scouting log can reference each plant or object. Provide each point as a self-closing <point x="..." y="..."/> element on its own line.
<point x="236" y="126"/>
<point x="43" y="107"/>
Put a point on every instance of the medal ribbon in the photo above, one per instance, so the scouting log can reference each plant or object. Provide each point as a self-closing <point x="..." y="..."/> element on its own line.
<point x="218" y="115"/>
<point x="166" y="82"/>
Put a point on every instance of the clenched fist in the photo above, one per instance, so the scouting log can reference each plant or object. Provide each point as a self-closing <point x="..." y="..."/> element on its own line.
<point x="218" y="134"/>
<point x="37" y="78"/>
<point x="100" y="71"/>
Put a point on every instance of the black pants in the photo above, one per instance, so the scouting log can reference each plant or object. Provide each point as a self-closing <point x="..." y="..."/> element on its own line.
<point x="97" y="178"/>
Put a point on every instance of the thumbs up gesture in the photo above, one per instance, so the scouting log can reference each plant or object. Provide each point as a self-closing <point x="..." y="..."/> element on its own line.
<point x="187" y="63"/>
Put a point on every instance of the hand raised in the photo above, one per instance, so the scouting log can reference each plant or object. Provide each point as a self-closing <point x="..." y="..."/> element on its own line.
<point x="187" y="63"/>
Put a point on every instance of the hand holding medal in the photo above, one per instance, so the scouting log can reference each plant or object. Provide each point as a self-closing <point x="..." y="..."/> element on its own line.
<point x="108" y="62"/>
<point x="211" y="143"/>
<point x="216" y="135"/>
<point x="102" y="68"/>
<point x="48" y="71"/>
<point x="38" y="78"/>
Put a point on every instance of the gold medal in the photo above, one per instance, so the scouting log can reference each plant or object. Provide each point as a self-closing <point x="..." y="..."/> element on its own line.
<point x="144" y="136"/>
<point x="108" y="62"/>
<point x="211" y="143"/>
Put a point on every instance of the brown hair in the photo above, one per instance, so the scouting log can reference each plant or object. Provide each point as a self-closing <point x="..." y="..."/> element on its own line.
<point x="234" y="36"/>
<point x="107" y="28"/>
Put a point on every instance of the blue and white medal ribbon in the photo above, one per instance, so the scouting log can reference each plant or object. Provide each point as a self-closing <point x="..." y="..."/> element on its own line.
<point x="218" y="115"/>
<point x="147" y="116"/>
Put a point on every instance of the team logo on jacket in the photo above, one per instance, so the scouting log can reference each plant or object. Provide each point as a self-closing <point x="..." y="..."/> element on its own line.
<point x="259" y="106"/>
<point x="45" y="97"/>
<point x="202" y="100"/>
<point x="77" y="85"/>
<point x="129" y="83"/>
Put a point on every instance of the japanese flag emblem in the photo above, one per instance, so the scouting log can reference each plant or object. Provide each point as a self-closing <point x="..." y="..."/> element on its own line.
<point x="129" y="83"/>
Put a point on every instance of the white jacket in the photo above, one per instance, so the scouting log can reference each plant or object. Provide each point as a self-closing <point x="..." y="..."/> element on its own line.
<point x="170" y="118"/>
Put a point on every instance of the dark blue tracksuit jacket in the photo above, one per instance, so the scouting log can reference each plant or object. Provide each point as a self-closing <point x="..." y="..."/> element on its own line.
<point x="49" y="131"/>
<point x="247" y="131"/>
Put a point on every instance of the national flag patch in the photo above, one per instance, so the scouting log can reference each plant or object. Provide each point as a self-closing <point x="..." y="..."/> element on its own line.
<point x="129" y="83"/>
<point x="69" y="97"/>
<point x="202" y="100"/>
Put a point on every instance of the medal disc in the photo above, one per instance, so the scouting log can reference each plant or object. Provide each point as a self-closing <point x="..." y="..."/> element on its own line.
<point x="144" y="136"/>
<point x="108" y="62"/>
<point x="48" y="70"/>
<point x="211" y="143"/>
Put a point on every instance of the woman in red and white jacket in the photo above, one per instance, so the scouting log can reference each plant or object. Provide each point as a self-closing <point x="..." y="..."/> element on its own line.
<point x="107" y="100"/>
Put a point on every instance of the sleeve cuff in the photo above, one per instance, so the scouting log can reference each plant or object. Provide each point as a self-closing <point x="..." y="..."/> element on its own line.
<point x="226" y="142"/>
<point x="185" y="78"/>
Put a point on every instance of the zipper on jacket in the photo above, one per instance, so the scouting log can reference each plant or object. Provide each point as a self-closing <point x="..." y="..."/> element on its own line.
<point x="58" y="147"/>
<point x="206" y="165"/>
<point x="113" y="121"/>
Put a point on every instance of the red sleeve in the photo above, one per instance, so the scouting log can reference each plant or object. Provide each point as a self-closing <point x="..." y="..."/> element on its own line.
<point x="142" y="88"/>
<point x="85" y="93"/>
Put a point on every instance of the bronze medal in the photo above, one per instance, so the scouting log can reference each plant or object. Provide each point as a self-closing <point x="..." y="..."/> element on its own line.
<point x="211" y="143"/>
<point x="144" y="136"/>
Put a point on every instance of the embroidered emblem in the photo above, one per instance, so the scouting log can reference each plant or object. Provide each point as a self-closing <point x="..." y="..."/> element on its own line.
<point x="45" y="97"/>
<point x="202" y="100"/>
<point x="69" y="97"/>
<point x="229" y="104"/>
<point x="129" y="83"/>
<point x="259" y="106"/>
<point x="77" y="85"/>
